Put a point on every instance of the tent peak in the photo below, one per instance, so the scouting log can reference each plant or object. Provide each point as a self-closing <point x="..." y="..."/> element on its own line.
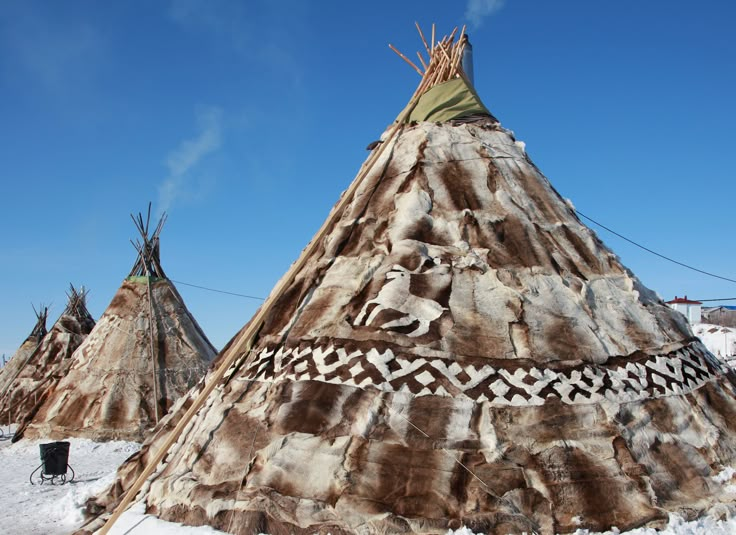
<point x="77" y="302"/>
<point x="446" y="91"/>
<point x="41" y="314"/>
<point x="148" y="262"/>
<point x="444" y="58"/>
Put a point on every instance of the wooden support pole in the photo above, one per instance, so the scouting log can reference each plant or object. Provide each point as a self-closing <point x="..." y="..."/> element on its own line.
<point x="419" y="29"/>
<point x="421" y="60"/>
<point x="242" y="347"/>
<point x="444" y="52"/>
<point x="459" y="49"/>
<point x="151" y="320"/>
<point x="452" y="35"/>
<point x="402" y="56"/>
<point x="436" y="71"/>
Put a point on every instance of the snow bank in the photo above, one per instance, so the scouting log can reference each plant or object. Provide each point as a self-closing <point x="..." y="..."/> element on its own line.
<point x="135" y="521"/>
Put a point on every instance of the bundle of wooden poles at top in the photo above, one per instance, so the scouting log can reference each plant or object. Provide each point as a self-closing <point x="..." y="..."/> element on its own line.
<point x="445" y="59"/>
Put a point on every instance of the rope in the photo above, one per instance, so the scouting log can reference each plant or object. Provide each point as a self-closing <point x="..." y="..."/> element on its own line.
<point x="242" y="481"/>
<point x="218" y="291"/>
<point x="444" y="450"/>
<point x="654" y="252"/>
<point x="458" y="461"/>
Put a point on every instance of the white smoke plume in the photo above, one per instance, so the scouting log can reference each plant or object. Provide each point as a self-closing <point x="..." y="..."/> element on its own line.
<point x="182" y="160"/>
<point x="477" y="10"/>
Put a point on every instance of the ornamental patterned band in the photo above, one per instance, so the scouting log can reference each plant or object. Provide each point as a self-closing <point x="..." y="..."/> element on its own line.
<point x="632" y="379"/>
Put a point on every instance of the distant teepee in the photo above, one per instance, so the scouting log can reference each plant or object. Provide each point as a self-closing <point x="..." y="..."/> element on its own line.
<point x="49" y="362"/>
<point x="454" y="347"/>
<point x="145" y="352"/>
<point x="29" y="345"/>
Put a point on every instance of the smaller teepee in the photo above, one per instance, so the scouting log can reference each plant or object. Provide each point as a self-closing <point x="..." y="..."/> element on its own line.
<point x="49" y="362"/>
<point x="144" y="353"/>
<point x="19" y="358"/>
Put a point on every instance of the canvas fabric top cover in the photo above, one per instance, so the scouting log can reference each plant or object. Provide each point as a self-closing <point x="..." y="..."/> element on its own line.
<point x="450" y="100"/>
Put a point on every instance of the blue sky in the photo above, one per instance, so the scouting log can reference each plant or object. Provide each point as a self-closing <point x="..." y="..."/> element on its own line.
<point x="246" y="120"/>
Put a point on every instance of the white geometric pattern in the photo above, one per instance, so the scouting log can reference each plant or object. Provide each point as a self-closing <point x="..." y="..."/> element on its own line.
<point x="633" y="379"/>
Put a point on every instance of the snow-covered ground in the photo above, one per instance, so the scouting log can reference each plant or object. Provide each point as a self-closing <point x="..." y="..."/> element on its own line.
<point x="56" y="509"/>
<point x="53" y="509"/>
<point x="677" y="526"/>
<point x="721" y="341"/>
<point x="136" y="523"/>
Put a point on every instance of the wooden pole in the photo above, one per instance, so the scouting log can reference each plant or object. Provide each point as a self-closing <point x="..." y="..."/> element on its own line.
<point x="153" y="353"/>
<point x="444" y="52"/>
<point x="419" y="29"/>
<point x="421" y="60"/>
<point x="243" y="346"/>
<point x="452" y="35"/>
<point x="402" y="56"/>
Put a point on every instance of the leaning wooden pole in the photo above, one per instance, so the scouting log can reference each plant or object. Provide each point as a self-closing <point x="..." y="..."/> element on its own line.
<point x="244" y="344"/>
<point x="151" y="320"/>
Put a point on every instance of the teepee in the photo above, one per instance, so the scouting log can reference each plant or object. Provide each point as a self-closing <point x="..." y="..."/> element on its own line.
<point x="49" y="362"/>
<point x="454" y="347"/>
<point x="144" y="353"/>
<point x="9" y="372"/>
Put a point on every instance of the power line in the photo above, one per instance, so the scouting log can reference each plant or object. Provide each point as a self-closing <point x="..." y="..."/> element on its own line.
<point x="654" y="252"/>
<point x="579" y="213"/>
<point x="218" y="291"/>
<point x="263" y="299"/>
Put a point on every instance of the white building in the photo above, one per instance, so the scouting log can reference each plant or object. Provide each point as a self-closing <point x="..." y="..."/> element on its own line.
<point x="691" y="309"/>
